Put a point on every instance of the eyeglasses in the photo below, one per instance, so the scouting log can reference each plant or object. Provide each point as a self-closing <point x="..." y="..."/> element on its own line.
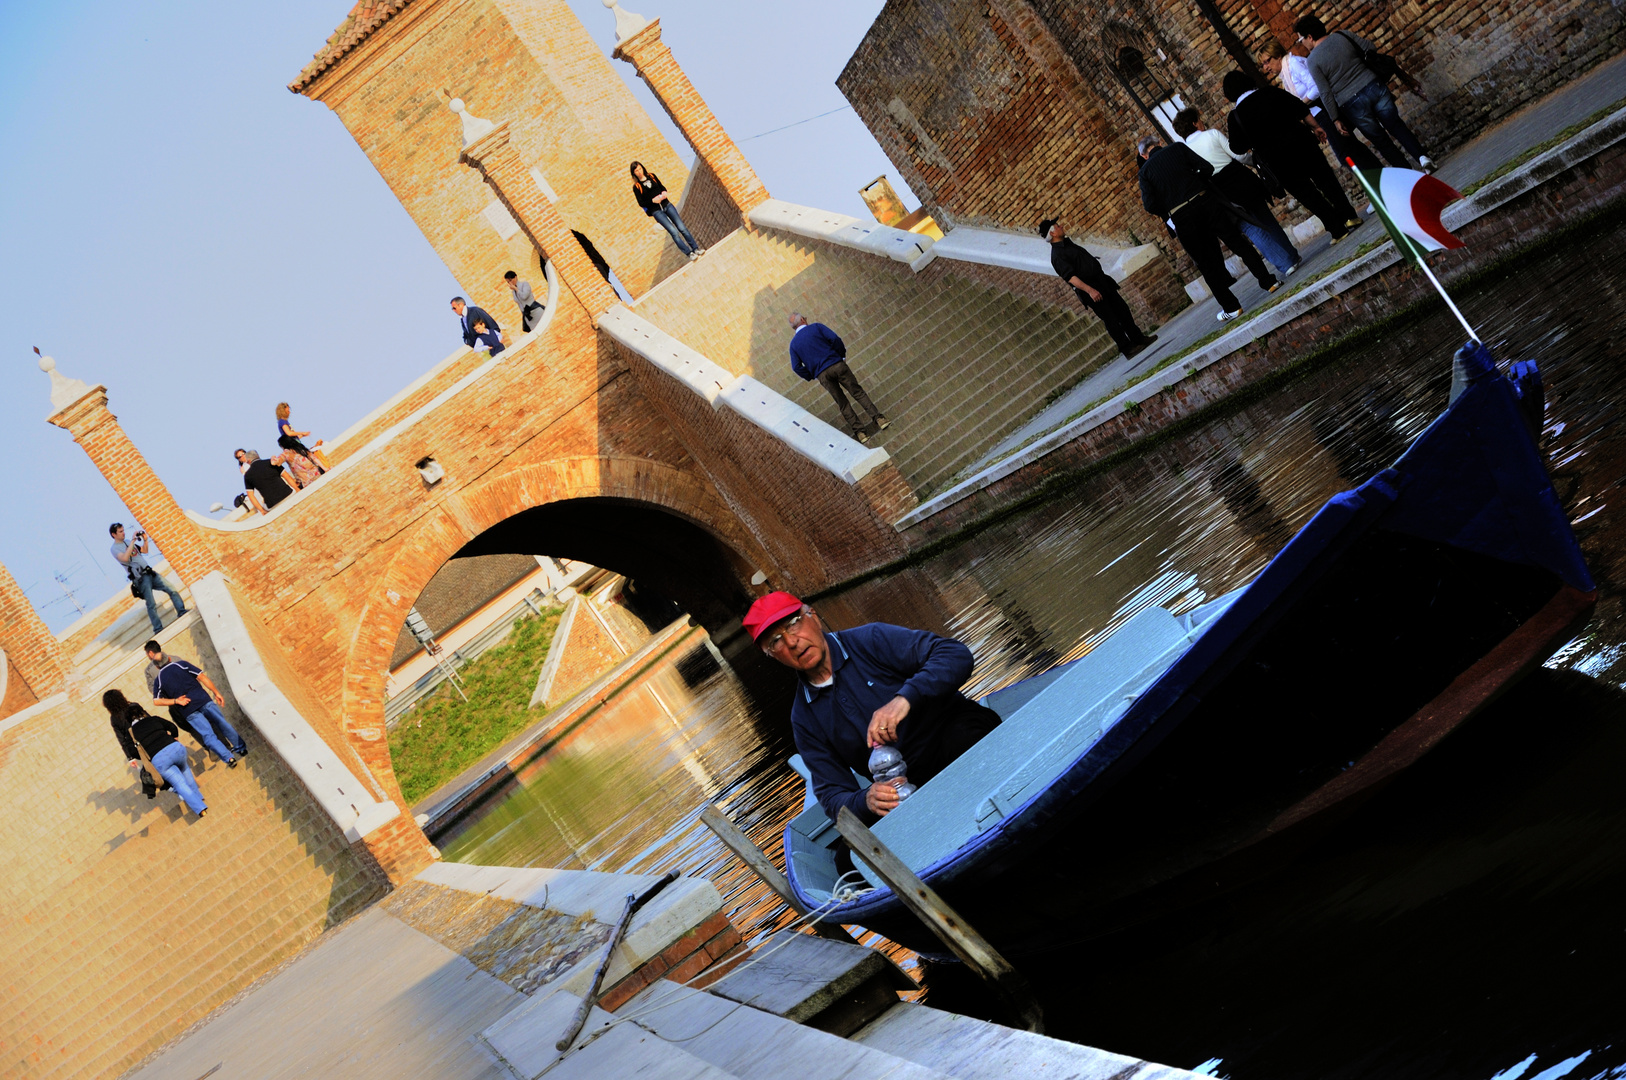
<point x="775" y="640"/>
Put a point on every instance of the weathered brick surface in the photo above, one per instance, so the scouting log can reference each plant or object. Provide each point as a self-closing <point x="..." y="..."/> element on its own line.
<point x="530" y="63"/>
<point x="36" y="667"/>
<point x="126" y="921"/>
<point x="95" y="428"/>
<point x="1005" y="111"/>
<point x="706" y="208"/>
<point x="588" y="652"/>
<point x="660" y="71"/>
<point x="934" y="350"/>
<point x="1598" y="182"/>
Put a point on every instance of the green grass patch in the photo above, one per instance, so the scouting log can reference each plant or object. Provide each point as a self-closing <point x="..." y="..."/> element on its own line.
<point x="443" y="734"/>
<point x="1541" y="148"/>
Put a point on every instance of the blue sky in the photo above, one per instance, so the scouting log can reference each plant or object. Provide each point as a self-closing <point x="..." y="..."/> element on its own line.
<point x="178" y="226"/>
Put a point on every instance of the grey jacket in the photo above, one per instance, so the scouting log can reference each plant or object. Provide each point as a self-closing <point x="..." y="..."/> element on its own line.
<point x="1338" y="70"/>
<point x="523" y="299"/>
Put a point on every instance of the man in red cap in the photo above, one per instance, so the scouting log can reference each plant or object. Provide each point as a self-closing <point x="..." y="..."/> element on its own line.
<point x="873" y="685"/>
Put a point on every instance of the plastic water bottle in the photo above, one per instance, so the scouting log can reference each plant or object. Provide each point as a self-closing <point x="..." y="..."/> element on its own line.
<point x="886" y="763"/>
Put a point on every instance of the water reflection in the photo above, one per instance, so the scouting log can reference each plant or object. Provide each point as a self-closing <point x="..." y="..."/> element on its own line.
<point x="1465" y="921"/>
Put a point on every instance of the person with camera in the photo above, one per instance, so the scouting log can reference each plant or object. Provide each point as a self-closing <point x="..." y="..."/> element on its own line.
<point x="144" y="580"/>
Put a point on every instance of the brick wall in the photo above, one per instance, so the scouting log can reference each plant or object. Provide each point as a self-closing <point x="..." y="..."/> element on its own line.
<point x="586" y="652"/>
<point x="34" y="665"/>
<point x="955" y="363"/>
<point x="706" y="208"/>
<point x="531" y="63"/>
<point x="125" y="921"/>
<point x="998" y="112"/>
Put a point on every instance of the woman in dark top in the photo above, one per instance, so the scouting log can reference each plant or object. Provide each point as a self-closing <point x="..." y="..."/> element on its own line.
<point x="157" y="737"/>
<point x="657" y="203"/>
<point x="117" y="705"/>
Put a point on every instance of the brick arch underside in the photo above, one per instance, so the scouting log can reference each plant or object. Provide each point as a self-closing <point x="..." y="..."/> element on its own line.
<point x="627" y="482"/>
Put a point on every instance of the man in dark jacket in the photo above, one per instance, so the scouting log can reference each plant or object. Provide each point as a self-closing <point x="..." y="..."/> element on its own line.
<point x="817" y="353"/>
<point x="1279" y="130"/>
<point x="1354" y="95"/>
<point x="1095" y="288"/>
<point x="873" y="685"/>
<point x="469" y="316"/>
<point x="1174" y="185"/>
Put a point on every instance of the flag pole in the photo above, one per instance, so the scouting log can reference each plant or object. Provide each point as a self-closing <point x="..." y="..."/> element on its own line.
<point x="1410" y="247"/>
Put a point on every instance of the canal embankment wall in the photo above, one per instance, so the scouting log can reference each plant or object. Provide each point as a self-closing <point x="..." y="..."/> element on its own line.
<point x="1533" y="205"/>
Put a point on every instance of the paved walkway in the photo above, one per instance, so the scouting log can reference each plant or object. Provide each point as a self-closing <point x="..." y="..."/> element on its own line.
<point x="375" y="998"/>
<point x="1534" y="125"/>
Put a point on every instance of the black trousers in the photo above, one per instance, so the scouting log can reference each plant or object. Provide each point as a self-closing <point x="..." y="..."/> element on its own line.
<point x="838" y="377"/>
<point x="1309" y="179"/>
<point x="960" y="722"/>
<point x="1200" y="226"/>
<point x="1114" y="314"/>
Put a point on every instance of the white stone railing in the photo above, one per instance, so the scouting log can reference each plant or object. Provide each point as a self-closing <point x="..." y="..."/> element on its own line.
<point x="254" y="521"/>
<point x="340" y="793"/>
<point x="989" y="247"/>
<point x="767" y="409"/>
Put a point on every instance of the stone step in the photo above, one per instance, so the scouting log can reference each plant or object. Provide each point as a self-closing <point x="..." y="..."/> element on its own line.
<point x="119" y="647"/>
<point x="526" y="1040"/>
<point x="971" y="1049"/>
<point x="756" y="1045"/>
<point x="835" y="986"/>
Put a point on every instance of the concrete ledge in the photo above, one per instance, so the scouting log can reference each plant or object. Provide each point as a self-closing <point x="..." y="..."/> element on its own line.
<point x="1031" y="252"/>
<point x="336" y="789"/>
<point x="1527" y="177"/>
<point x="678" y="909"/>
<point x="39" y="708"/>
<point x="899" y="245"/>
<point x="767" y="409"/>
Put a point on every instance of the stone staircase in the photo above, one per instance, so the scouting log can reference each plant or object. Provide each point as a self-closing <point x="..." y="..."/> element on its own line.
<point x="956" y="364"/>
<point x="119" y="647"/>
<point x="745" y="1027"/>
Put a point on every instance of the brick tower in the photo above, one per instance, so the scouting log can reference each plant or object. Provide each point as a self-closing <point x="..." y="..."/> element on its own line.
<point x="389" y="71"/>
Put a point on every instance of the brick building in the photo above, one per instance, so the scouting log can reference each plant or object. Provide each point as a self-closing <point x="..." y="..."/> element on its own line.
<point x="998" y="112"/>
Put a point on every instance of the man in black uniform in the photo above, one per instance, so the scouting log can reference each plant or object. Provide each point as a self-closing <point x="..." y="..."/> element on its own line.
<point x="1175" y="185"/>
<point x="1095" y="288"/>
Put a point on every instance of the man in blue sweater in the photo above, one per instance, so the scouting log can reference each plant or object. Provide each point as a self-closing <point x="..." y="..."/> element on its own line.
<point x="817" y="353"/>
<point x="873" y="685"/>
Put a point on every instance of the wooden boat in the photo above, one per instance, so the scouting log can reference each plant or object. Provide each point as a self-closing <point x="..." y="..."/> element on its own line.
<point x="1184" y="749"/>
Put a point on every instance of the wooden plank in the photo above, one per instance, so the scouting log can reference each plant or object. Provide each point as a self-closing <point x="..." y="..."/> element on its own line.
<point x="763" y="867"/>
<point x="922" y="900"/>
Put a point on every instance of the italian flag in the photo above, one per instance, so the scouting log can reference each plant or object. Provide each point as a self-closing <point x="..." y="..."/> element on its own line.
<point x="1409" y="202"/>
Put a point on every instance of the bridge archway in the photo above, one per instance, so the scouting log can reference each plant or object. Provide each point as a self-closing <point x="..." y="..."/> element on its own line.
<point x="648" y="520"/>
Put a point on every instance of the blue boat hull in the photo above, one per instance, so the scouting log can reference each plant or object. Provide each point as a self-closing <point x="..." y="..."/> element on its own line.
<point x="1400" y="609"/>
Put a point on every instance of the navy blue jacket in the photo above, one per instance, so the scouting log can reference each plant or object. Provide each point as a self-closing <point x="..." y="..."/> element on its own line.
<point x="815" y="348"/>
<point x="472" y="315"/>
<point x="872" y="664"/>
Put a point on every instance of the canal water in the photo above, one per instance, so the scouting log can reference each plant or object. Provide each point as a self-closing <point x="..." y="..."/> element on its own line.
<point x="1469" y="922"/>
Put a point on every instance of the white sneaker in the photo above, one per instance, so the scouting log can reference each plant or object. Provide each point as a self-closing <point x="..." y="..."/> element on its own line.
<point x="693" y="256"/>
<point x="1227" y="316"/>
<point x="1427" y="163"/>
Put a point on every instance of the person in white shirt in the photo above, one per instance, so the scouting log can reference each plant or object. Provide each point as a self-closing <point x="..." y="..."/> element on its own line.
<point x="1292" y="70"/>
<point x="1243" y="187"/>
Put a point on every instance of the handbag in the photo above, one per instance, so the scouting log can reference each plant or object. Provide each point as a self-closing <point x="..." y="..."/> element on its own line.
<point x="1384" y="66"/>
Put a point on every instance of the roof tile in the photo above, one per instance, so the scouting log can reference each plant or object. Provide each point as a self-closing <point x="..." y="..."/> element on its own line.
<point x="366" y="17"/>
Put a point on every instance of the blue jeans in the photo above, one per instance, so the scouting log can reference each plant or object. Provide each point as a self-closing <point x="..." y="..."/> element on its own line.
<point x="212" y="727"/>
<point x="1373" y="111"/>
<point x="147" y="583"/>
<point x="1273" y="244"/>
<point x="667" y="214"/>
<point x="172" y="765"/>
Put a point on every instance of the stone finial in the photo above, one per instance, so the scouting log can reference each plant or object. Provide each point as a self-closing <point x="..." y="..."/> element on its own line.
<point x="474" y="128"/>
<point x="627" y="24"/>
<point x="64" y="391"/>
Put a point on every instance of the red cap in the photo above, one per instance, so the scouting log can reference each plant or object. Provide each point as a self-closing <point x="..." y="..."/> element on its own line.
<point x="768" y="610"/>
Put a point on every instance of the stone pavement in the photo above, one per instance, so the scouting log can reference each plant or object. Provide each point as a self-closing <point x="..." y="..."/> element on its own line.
<point x="375" y="998"/>
<point x="1475" y="160"/>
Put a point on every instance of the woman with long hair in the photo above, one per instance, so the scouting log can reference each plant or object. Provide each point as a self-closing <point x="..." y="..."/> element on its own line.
<point x="117" y="705"/>
<point x="657" y="203"/>
<point x="156" y="735"/>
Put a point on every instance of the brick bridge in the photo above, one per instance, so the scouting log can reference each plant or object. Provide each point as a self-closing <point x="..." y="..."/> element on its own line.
<point x="665" y="439"/>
